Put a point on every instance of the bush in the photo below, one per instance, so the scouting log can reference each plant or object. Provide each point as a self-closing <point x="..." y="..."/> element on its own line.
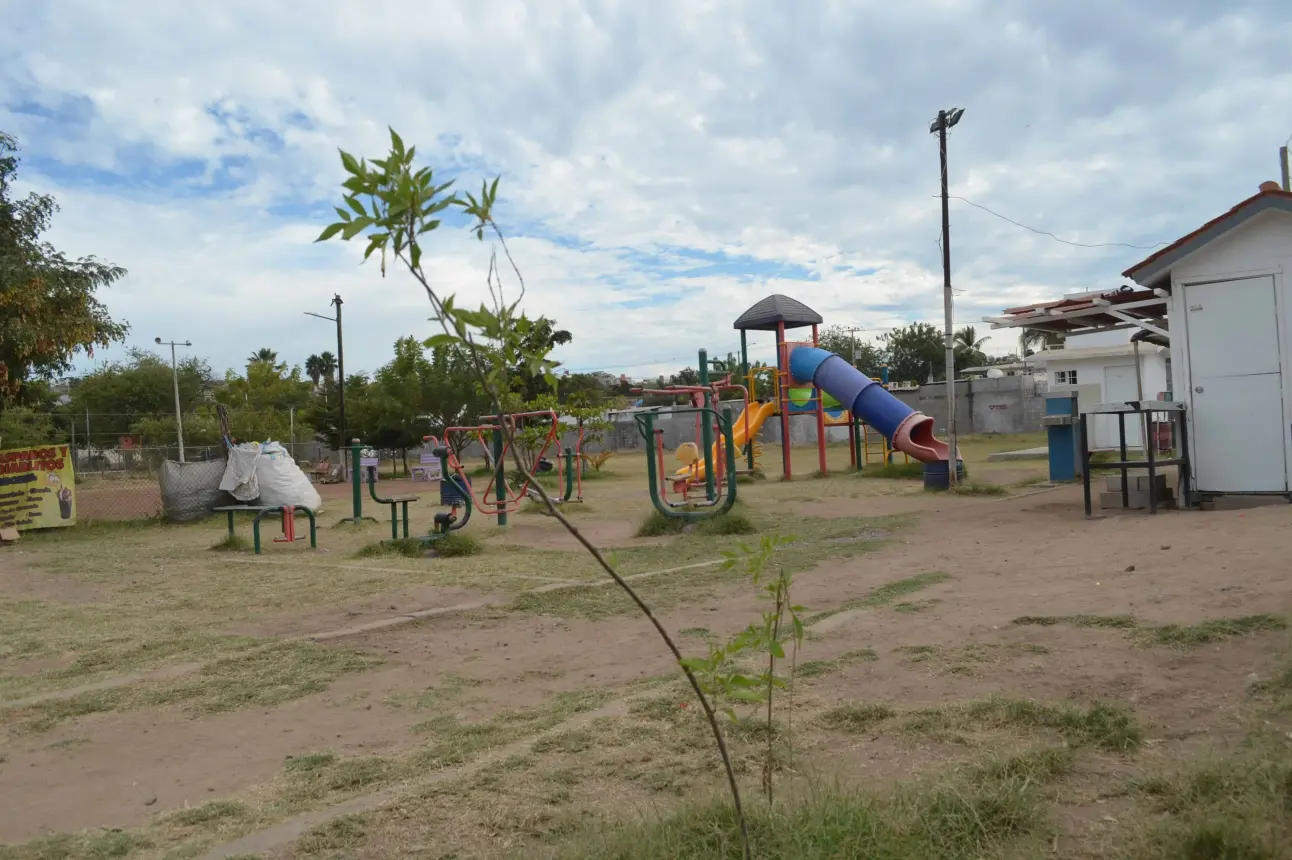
<point x="456" y="544"/>
<point x="406" y="547"/>
<point x="733" y="522"/>
<point x="656" y="525"/>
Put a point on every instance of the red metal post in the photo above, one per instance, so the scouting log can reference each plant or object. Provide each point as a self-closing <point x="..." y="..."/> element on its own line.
<point x="820" y="416"/>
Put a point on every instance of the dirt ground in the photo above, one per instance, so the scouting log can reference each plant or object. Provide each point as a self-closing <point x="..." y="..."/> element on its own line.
<point x="158" y="698"/>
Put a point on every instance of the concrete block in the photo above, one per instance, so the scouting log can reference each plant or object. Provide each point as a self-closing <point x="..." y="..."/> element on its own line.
<point x="1138" y="500"/>
<point x="1137" y="483"/>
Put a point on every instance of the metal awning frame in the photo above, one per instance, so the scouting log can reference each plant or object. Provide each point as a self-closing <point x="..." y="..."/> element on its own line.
<point x="1069" y="321"/>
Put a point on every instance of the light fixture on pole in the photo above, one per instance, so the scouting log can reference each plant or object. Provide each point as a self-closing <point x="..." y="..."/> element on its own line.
<point x="340" y="373"/>
<point x="174" y="375"/>
<point x="946" y="119"/>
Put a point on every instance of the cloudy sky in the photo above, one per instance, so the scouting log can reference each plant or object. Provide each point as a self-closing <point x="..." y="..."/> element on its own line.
<point x="664" y="164"/>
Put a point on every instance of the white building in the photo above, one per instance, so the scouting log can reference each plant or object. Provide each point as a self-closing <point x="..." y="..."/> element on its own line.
<point x="1220" y="297"/>
<point x="1231" y="347"/>
<point x="1106" y="374"/>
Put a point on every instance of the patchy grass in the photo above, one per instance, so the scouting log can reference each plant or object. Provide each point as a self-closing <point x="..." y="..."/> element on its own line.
<point x="968" y="659"/>
<point x="405" y="547"/>
<point x="985" y="812"/>
<point x="978" y="488"/>
<point x="857" y="718"/>
<point x="915" y="606"/>
<point x="1212" y="630"/>
<point x="817" y="668"/>
<point x="1236" y="808"/>
<point x="1118" y="622"/>
<point x="883" y="595"/>
<point x="335" y="838"/>
<point x="231" y="543"/>
<point x="680" y="571"/>
<point x="207" y="813"/>
<point x="1167" y="635"/>
<point x="263" y="677"/>
<point x="90" y="845"/>
<point x="893" y="471"/>
<point x="1108" y="727"/>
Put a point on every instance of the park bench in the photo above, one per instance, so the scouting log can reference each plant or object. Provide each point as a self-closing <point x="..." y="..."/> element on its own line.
<point x="288" y="513"/>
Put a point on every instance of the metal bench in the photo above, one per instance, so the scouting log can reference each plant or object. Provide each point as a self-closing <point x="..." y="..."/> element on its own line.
<point x="288" y="513"/>
<point x="396" y="504"/>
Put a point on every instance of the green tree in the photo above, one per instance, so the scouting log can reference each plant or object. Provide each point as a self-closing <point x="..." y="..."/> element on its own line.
<point x="49" y="309"/>
<point x="119" y="394"/>
<point x="969" y="348"/>
<point x="1030" y="340"/>
<point x="915" y="351"/>
<point x="266" y="386"/>
<point x="327" y="365"/>
<point x="540" y="336"/>
<point x="264" y="355"/>
<point x="314" y="369"/>
<point x="21" y="426"/>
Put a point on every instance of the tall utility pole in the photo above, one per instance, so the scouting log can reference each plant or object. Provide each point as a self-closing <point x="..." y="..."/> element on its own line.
<point x="852" y="337"/>
<point x="1283" y="163"/>
<point x="174" y="375"/>
<point x="340" y="373"/>
<point x="946" y="119"/>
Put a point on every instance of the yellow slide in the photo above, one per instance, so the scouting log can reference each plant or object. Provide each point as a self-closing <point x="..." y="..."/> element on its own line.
<point x="756" y="418"/>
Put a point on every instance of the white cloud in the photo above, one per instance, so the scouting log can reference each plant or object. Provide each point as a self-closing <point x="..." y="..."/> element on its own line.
<point x="792" y="135"/>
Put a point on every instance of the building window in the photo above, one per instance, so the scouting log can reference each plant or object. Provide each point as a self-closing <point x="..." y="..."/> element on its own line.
<point x="1065" y="377"/>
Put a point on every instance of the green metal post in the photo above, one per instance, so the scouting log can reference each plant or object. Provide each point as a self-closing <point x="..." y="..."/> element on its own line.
<point x="569" y="474"/>
<point x="706" y="433"/>
<point x="356" y="476"/>
<point x="500" y="476"/>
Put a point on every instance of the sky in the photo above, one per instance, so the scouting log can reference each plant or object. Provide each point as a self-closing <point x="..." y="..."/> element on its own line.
<point x="663" y="165"/>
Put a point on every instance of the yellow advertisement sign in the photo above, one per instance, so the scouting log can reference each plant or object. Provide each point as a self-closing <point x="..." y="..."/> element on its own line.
<point x="37" y="488"/>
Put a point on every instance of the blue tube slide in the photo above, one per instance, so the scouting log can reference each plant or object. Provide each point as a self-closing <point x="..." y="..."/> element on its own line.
<point x="909" y="431"/>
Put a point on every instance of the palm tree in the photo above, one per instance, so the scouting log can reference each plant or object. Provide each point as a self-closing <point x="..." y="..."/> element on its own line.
<point x="265" y="354"/>
<point x="314" y="369"/>
<point x="967" y="339"/>
<point x="327" y="364"/>
<point x="1032" y="337"/>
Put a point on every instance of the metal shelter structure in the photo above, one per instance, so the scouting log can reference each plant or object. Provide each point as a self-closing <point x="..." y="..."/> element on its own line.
<point x="1086" y="313"/>
<point x="780" y="313"/>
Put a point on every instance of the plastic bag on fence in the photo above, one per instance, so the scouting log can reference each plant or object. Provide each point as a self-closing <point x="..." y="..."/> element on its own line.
<point x="240" y="478"/>
<point x="190" y="490"/>
<point x="282" y="482"/>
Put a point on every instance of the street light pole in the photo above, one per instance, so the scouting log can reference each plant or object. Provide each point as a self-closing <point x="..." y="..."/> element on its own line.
<point x="340" y="372"/>
<point x="174" y="375"/>
<point x="946" y="119"/>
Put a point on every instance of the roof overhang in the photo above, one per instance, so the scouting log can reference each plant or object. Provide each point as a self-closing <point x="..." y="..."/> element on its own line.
<point x="1087" y="313"/>
<point x="1155" y="270"/>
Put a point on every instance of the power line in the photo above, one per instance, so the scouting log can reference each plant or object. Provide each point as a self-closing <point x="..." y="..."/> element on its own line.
<point x="1040" y="232"/>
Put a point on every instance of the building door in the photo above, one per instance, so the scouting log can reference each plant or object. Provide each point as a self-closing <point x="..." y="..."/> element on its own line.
<point x="1119" y="386"/>
<point x="1236" y="386"/>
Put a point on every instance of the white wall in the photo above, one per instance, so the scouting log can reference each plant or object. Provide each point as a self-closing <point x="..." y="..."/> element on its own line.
<point x="1261" y="246"/>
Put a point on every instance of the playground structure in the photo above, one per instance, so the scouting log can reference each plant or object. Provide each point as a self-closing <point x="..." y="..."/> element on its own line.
<point x="879" y="425"/>
<point x="711" y="462"/>
<point x="452" y="495"/>
<point x="498" y="497"/>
